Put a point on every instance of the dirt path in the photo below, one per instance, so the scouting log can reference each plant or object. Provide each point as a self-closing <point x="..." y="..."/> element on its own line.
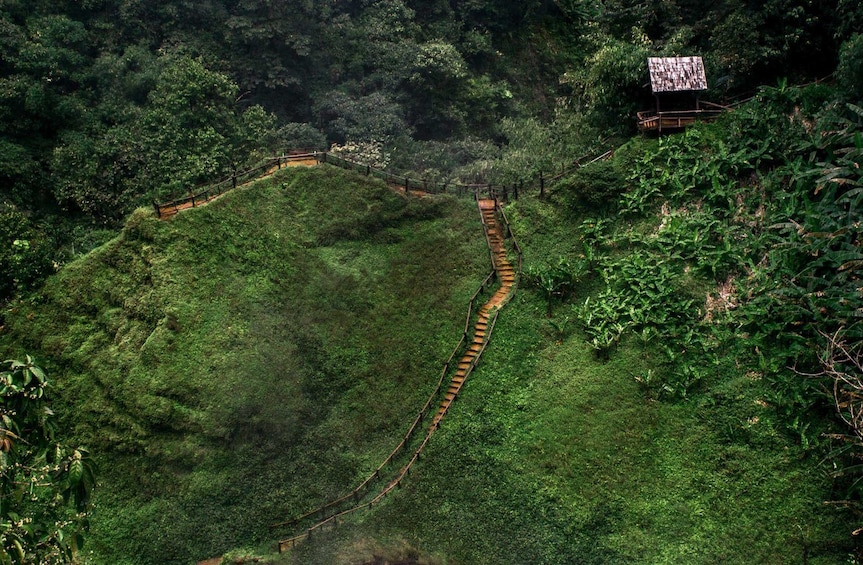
<point x="168" y="210"/>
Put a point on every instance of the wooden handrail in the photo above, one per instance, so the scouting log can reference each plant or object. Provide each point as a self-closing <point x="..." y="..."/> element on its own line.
<point x="203" y="193"/>
<point x="394" y="483"/>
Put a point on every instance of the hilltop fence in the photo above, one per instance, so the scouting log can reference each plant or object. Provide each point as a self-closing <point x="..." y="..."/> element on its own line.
<point x="497" y="191"/>
<point x="203" y="194"/>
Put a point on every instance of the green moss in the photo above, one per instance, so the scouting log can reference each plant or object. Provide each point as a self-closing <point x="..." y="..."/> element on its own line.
<point x="212" y="359"/>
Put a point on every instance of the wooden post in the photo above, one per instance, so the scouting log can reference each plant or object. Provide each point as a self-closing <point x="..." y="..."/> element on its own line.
<point x="158" y="210"/>
<point x="407" y="184"/>
<point x="368" y="170"/>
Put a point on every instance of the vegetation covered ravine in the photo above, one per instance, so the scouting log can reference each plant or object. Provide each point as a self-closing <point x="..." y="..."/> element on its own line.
<point x="246" y="361"/>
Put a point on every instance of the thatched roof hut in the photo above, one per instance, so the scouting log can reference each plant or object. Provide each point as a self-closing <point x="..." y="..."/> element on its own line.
<point x="677" y="82"/>
<point x="676" y="74"/>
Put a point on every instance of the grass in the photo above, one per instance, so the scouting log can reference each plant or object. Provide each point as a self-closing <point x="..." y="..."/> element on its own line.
<point x="550" y="456"/>
<point x="212" y="360"/>
<point x="247" y="361"/>
<point x="553" y="456"/>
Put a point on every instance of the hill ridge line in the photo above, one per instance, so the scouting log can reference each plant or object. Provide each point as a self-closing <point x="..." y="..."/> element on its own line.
<point x="202" y="195"/>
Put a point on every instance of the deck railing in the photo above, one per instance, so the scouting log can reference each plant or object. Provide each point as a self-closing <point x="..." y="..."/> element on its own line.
<point x="659" y="121"/>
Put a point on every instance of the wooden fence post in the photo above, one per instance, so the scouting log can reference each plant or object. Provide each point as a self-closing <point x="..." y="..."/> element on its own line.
<point x="158" y="210"/>
<point x="368" y="170"/>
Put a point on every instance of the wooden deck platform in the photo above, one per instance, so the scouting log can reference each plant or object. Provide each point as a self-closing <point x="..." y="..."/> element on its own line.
<point x="662" y="121"/>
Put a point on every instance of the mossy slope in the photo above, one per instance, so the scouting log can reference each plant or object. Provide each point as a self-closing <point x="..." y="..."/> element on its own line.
<point x="245" y="361"/>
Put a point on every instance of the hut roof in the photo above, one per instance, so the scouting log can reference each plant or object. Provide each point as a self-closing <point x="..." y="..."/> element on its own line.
<point x="676" y="74"/>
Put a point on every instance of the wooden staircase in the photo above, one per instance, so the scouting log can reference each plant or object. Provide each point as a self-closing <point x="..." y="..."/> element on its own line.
<point x="506" y="275"/>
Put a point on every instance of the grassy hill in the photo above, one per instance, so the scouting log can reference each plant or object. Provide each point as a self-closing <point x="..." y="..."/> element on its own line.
<point x="243" y="362"/>
<point x="555" y="454"/>
<point x="238" y="364"/>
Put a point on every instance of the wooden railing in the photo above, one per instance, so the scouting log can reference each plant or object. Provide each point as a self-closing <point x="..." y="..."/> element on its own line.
<point x="497" y="191"/>
<point x="659" y="121"/>
<point x="332" y="520"/>
<point x="203" y="194"/>
<point x="360" y="490"/>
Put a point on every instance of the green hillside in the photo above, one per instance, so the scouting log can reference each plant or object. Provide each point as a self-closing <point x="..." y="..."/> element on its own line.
<point x="239" y="363"/>
<point x="678" y="379"/>
<point x="248" y="360"/>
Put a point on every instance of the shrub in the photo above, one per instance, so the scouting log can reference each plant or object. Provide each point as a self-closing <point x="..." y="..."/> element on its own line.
<point x="849" y="73"/>
<point x="592" y="187"/>
<point x="301" y="136"/>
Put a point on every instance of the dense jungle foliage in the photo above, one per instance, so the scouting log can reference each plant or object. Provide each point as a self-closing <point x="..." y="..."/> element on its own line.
<point x="108" y="104"/>
<point x="679" y="379"/>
